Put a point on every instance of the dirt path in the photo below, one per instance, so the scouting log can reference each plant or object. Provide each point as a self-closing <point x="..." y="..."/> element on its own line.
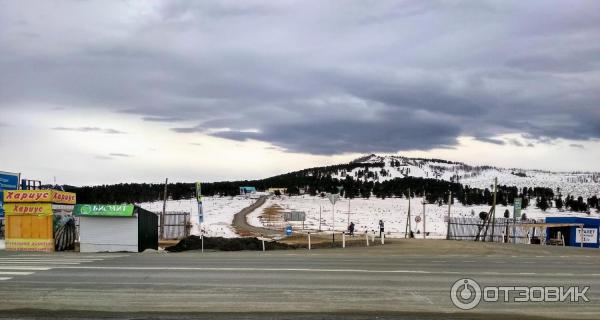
<point x="241" y="226"/>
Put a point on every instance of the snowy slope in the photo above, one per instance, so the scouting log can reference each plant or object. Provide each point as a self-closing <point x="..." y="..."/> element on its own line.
<point x="366" y="213"/>
<point x="584" y="184"/>
<point x="218" y="212"/>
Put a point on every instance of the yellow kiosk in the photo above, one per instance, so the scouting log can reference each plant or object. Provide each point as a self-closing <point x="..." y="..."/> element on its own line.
<point x="29" y="217"/>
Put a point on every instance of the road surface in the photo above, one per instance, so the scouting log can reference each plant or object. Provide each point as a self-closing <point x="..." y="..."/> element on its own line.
<point x="243" y="228"/>
<point x="408" y="279"/>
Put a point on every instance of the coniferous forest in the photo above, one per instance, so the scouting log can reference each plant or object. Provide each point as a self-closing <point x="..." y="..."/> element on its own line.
<point x="317" y="181"/>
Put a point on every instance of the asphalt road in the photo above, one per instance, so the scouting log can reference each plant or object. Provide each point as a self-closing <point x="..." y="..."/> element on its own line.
<point x="403" y="280"/>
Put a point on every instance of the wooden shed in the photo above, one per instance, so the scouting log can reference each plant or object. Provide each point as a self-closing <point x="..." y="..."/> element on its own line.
<point x="31" y="215"/>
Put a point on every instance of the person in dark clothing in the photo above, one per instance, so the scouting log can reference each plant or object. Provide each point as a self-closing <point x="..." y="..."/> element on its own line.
<point x="381" y="228"/>
<point x="351" y="229"/>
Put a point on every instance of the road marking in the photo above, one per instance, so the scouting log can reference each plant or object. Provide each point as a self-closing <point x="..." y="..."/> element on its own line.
<point x="67" y="261"/>
<point x="47" y="260"/>
<point x="29" y="268"/>
<point x="74" y="256"/>
<point x="15" y="273"/>
<point x="50" y="258"/>
<point x="5" y="278"/>
<point x="310" y="270"/>
<point x="39" y="262"/>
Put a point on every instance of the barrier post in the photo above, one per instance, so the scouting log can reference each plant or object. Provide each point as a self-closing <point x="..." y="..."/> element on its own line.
<point x="309" y="241"/>
<point x="263" y="244"/>
<point x="202" y="237"/>
<point x="383" y="238"/>
<point x="373" y="237"/>
<point x="343" y="239"/>
<point x="367" y="237"/>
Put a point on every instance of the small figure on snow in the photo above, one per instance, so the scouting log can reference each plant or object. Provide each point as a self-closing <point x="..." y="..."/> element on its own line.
<point x="381" y="228"/>
<point x="351" y="229"/>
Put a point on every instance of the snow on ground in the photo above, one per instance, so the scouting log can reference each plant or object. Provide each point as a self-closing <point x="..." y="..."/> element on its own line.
<point x="218" y="213"/>
<point x="366" y="213"/>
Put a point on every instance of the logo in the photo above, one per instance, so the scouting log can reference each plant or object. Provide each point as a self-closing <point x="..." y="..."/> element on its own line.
<point x="86" y="209"/>
<point x="465" y="294"/>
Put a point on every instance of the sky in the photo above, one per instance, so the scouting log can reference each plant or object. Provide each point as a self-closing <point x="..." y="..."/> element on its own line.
<point x="97" y="92"/>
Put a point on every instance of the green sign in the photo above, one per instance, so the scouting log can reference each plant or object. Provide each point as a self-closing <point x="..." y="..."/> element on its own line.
<point x="517" y="208"/>
<point x="103" y="210"/>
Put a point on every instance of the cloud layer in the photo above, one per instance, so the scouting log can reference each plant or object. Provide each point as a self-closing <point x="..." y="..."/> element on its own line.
<point x="315" y="77"/>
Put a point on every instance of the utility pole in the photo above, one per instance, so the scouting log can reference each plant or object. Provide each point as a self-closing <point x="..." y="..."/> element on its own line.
<point x="333" y="226"/>
<point x="162" y="216"/>
<point x="449" y="206"/>
<point x="408" y="226"/>
<point x="423" y="214"/>
<point x="494" y="207"/>
<point x="348" y="212"/>
<point x="320" y="209"/>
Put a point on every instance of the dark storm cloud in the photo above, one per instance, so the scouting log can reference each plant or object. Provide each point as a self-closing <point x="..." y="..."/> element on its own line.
<point x="89" y="129"/>
<point x="317" y="77"/>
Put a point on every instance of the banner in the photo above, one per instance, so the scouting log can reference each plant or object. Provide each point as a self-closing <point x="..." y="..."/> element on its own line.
<point x="39" y="245"/>
<point x="63" y="197"/>
<point x="590" y="235"/>
<point x="517" y="208"/>
<point x="33" y="196"/>
<point x="8" y="181"/>
<point x="34" y="209"/>
<point x="103" y="210"/>
<point x="199" y="200"/>
<point x="198" y="192"/>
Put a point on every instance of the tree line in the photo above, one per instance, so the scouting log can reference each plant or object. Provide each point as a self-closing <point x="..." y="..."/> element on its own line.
<point x="322" y="180"/>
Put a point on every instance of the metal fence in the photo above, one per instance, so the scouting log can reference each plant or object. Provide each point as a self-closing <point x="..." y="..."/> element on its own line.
<point x="501" y="230"/>
<point x="177" y="225"/>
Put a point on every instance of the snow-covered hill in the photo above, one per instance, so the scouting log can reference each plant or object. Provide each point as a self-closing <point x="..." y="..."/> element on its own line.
<point x="584" y="184"/>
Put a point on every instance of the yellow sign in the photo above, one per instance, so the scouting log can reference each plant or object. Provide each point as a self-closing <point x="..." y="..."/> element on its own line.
<point x="34" y="209"/>
<point x="33" y="196"/>
<point x="40" y="245"/>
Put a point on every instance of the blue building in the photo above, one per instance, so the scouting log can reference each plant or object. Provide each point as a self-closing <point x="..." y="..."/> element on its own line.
<point x="247" y="190"/>
<point x="570" y="229"/>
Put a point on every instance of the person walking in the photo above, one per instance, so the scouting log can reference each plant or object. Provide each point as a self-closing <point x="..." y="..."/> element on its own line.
<point x="351" y="229"/>
<point x="381" y="228"/>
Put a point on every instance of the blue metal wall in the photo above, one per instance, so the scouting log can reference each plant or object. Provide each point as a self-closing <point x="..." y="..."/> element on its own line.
<point x="588" y="223"/>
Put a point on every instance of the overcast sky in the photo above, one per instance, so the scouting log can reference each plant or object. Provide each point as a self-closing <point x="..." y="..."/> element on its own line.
<point x="96" y="92"/>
